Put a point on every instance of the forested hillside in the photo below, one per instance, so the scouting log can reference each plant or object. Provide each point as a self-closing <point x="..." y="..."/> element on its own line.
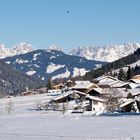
<point x="14" y="82"/>
<point x="118" y="64"/>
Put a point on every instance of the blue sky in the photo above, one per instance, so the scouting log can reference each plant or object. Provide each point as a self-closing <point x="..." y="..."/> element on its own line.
<point x="89" y="22"/>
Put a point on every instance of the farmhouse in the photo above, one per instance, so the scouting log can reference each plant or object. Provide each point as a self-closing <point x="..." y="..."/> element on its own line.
<point x="131" y="105"/>
<point x="97" y="104"/>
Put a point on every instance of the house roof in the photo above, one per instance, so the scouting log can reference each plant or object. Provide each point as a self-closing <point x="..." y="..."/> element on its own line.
<point x="127" y="102"/>
<point x="134" y="92"/>
<point x="133" y="85"/>
<point x="96" y="98"/>
<point x="65" y="94"/>
<point x="117" y="92"/>
<point x="99" y="90"/>
<point x="85" y="82"/>
<point x="105" y="77"/>
<point x="119" y="84"/>
<point x="83" y="85"/>
<point x="107" y="81"/>
<point x="137" y="81"/>
<point x="58" y="85"/>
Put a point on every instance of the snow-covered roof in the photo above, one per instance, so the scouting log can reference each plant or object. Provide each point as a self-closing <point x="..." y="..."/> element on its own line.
<point x="65" y="94"/>
<point x="82" y="85"/>
<point x="127" y="102"/>
<point x="99" y="90"/>
<point x="107" y="81"/>
<point x="116" y="92"/>
<point x="80" y="82"/>
<point x="137" y="81"/>
<point x="95" y="98"/>
<point x="55" y="86"/>
<point x="119" y="84"/>
<point x="122" y="93"/>
<point x="134" y="92"/>
<point x="133" y="85"/>
<point x="54" y="90"/>
<point x="105" y="77"/>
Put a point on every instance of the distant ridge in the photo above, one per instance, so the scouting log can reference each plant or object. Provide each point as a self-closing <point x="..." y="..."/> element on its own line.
<point x="20" y="48"/>
<point x="108" y="53"/>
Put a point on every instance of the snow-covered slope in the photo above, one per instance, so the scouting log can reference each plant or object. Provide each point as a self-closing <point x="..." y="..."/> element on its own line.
<point x="107" y="53"/>
<point x="51" y="63"/>
<point x="20" y="48"/>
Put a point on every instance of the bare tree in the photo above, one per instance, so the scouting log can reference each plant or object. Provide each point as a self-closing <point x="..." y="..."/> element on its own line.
<point x="9" y="107"/>
<point x="112" y="102"/>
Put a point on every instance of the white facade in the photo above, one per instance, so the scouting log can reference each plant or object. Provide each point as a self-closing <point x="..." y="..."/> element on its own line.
<point x="98" y="106"/>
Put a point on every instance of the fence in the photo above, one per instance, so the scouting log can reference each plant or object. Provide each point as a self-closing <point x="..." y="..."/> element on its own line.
<point x="12" y="136"/>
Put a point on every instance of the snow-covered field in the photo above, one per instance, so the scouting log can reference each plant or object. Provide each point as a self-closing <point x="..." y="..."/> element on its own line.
<point x="24" y="122"/>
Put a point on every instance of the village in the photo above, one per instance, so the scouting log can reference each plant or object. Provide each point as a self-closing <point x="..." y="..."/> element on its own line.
<point x="104" y="94"/>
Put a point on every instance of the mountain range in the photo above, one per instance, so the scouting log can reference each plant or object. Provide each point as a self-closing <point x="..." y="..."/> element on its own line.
<point x="20" y="48"/>
<point x="108" y="53"/>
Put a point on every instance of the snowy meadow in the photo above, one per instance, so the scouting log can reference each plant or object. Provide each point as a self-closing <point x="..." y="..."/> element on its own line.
<point x="24" y="122"/>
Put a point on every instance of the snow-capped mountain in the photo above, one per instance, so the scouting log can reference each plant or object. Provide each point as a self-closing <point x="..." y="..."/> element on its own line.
<point x="55" y="47"/>
<point x="4" y="52"/>
<point x="51" y="63"/>
<point x="20" y="48"/>
<point x="107" y="53"/>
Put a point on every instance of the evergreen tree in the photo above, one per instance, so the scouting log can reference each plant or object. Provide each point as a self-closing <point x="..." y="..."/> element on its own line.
<point x="122" y="75"/>
<point x="129" y="74"/>
<point x="49" y="83"/>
